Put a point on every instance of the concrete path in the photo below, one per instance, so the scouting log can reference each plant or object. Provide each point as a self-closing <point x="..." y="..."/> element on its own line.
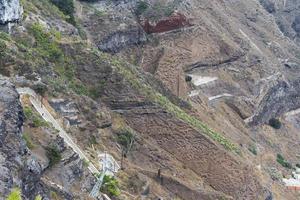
<point x="219" y="96"/>
<point x="201" y="80"/>
<point x="46" y="115"/>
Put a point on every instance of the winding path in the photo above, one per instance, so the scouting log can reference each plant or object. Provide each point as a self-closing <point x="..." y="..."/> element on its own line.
<point x="46" y="115"/>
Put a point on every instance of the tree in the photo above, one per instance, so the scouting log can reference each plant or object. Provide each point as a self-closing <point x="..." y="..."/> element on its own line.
<point x="15" y="194"/>
<point x="126" y="140"/>
<point x="41" y="89"/>
<point x="275" y="123"/>
<point x="53" y="155"/>
<point x="110" y="186"/>
<point x="67" y="7"/>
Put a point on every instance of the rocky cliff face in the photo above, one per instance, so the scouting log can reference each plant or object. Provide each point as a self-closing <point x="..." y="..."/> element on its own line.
<point x="10" y="11"/>
<point x="287" y="16"/>
<point x="196" y="82"/>
<point x="12" y="147"/>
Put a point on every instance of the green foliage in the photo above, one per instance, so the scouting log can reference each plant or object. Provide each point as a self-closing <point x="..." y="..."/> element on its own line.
<point x="53" y="155"/>
<point x="253" y="149"/>
<point x="15" y="194"/>
<point x="188" y="78"/>
<point x="40" y="89"/>
<point x="4" y="36"/>
<point x="28" y="112"/>
<point x="298" y="165"/>
<point x="280" y="159"/>
<point x="141" y="7"/>
<point x="79" y="88"/>
<point x="2" y="48"/>
<point x="85" y="163"/>
<point x="54" y="195"/>
<point x="41" y="6"/>
<point x="126" y="139"/>
<point x="67" y="7"/>
<point x="96" y="91"/>
<point x="45" y="43"/>
<point x="34" y="117"/>
<point x="93" y="140"/>
<point x="38" y="197"/>
<point x="275" y="123"/>
<point x="110" y="186"/>
<point x="28" y="140"/>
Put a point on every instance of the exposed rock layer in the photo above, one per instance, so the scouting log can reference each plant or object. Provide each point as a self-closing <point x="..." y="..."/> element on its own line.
<point x="10" y="11"/>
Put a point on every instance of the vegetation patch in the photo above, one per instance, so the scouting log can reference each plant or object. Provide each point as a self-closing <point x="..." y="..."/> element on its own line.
<point x="53" y="155"/>
<point x="93" y="140"/>
<point x="38" y="197"/>
<point x="126" y="139"/>
<point x="280" y="159"/>
<point x="67" y="7"/>
<point x="28" y="140"/>
<point x="34" y="118"/>
<point x="141" y="7"/>
<point x="45" y="43"/>
<point x="110" y="186"/>
<point x="275" y="123"/>
<point x="15" y="194"/>
<point x="253" y="149"/>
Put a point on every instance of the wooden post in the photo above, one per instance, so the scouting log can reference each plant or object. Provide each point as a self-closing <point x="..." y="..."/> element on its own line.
<point x="122" y="159"/>
<point x="178" y="84"/>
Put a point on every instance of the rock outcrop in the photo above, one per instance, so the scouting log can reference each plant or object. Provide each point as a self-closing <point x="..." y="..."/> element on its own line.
<point x="287" y="15"/>
<point x="10" y="11"/>
<point x="279" y="99"/>
<point x="13" y="149"/>
<point x="114" y="42"/>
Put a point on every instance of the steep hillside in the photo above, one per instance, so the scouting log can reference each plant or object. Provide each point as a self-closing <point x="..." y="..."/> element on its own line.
<point x="196" y="99"/>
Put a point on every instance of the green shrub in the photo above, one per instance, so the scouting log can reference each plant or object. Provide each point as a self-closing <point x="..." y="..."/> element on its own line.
<point x="85" y="163"/>
<point x="15" y="194"/>
<point x="39" y="122"/>
<point x="280" y="159"/>
<point x="4" y="36"/>
<point x="67" y="7"/>
<point x="45" y="43"/>
<point x="96" y="91"/>
<point x="54" y="195"/>
<point x="53" y="155"/>
<point x="110" y="186"/>
<point x="141" y="7"/>
<point x="126" y="139"/>
<point x="275" y="123"/>
<point x="253" y="149"/>
<point x="28" y="113"/>
<point x="298" y="165"/>
<point x="93" y="140"/>
<point x="2" y="48"/>
<point x="34" y="117"/>
<point x="79" y="88"/>
<point x="28" y="141"/>
<point x="188" y="78"/>
<point x="38" y="197"/>
<point x="40" y="89"/>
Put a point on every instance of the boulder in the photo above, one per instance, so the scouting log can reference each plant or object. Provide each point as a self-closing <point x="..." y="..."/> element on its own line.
<point x="10" y="11"/>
